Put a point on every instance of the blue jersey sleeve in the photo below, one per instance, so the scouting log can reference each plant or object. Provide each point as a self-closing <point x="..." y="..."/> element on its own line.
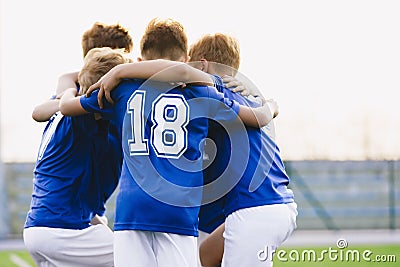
<point x="223" y="109"/>
<point x="90" y="104"/>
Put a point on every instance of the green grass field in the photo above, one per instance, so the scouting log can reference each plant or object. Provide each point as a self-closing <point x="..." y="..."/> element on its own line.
<point x="296" y="257"/>
<point x="14" y="258"/>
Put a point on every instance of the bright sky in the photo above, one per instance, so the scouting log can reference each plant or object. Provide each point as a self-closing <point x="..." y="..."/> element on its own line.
<point x="333" y="66"/>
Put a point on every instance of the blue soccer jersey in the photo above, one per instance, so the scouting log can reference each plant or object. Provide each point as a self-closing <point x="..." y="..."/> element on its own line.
<point x="109" y="168"/>
<point x="66" y="190"/>
<point x="211" y="215"/>
<point x="263" y="181"/>
<point x="162" y="131"/>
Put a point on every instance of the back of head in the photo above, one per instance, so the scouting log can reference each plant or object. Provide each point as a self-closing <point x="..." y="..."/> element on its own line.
<point x="102" y="35"/>
<point x="164" y="39"/>
<point x="98" y="62"/>
<point x="220" y="48"/>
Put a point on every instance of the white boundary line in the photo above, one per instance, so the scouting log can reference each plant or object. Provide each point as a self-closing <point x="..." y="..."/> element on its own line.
<point x="18" y="261"/>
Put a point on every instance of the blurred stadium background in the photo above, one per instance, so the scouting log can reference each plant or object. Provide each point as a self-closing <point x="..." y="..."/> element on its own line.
<point x="331" y="195"/>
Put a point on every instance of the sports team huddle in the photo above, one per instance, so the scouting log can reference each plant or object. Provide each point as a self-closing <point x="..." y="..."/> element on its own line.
<point x="187" y="146"/>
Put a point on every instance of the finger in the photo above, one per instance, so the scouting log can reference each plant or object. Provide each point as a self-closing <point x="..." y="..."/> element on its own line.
<point x="100" y="97"/>
<point x="239" y="88"/>
<point x="233" y="83"/>
<point x="245" y="93"/>
<point x="108" y="97"/>
<point x="227" y="79"/>
<point x="91" y="89"/>
<point x="229" y="84"/>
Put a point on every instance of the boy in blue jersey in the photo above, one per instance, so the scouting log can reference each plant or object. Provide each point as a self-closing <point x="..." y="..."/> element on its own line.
<point x="162" y="129"/>
<point x="66" y="189"/>
<point x="260" y="210"/>
<point x="99" y="35"/>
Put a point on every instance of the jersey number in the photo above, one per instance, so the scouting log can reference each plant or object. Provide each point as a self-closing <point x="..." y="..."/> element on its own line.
<point x="170" y="116"/>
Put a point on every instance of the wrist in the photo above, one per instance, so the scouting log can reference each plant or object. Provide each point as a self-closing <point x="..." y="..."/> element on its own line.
<point x="117" y="72"/>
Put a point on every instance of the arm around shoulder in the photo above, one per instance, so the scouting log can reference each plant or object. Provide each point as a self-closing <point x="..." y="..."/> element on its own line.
<point x="44" y="111"/>
<point x="260" y="116"/>
<point x="65" y="81"/>
<point x="70" y="104"/>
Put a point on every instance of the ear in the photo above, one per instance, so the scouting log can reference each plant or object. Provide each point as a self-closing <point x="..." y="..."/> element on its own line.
<point x="204" y="64"/>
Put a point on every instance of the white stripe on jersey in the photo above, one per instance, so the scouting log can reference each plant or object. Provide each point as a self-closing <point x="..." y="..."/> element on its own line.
<point x="49" y="134"/>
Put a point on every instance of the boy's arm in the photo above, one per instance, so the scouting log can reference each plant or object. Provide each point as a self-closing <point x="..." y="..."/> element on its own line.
<point x="212" y="248"/>
<point x="70" y="104"/>
<point x="44" y="111"/>
<point x="158" y="70"/>
<point x="257" y="117"/>
<point x="65" y="81"/>
<point x="260" y="116"/>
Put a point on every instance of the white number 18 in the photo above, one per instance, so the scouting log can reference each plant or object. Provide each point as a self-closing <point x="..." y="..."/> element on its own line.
<point x="170" y="116"/>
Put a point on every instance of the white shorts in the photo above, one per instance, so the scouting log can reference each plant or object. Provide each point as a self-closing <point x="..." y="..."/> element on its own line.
<point x="92" y="246"/>
<point x="253" y="234"/>
<point x="146" y="248"/>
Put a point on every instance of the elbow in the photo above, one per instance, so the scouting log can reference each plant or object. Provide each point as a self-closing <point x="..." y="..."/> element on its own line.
<point x="36" y="115"/>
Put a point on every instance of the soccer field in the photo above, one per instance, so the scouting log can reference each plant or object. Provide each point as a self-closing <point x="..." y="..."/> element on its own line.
<point x="16" y="259"/>
<point x="361" y="256"/>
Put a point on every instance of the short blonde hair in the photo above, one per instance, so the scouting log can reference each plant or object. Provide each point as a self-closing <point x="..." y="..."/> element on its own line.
<point x="218" y="47"/>
<point x="164" y="38"/>
<point x="98" y="62"/>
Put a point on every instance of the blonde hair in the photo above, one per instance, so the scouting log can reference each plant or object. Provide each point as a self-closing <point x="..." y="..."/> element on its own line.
<point x="218" y="47"/>
<point x="164" y="38"/>
<point x="98" y="62"/>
